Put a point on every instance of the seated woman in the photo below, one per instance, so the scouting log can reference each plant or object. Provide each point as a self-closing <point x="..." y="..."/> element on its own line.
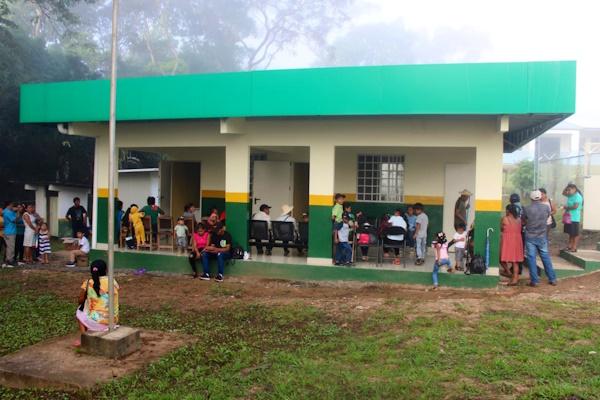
<point x="199" y="241"/>
<point x="211" y="222"/>
<point x="92" y="313"/>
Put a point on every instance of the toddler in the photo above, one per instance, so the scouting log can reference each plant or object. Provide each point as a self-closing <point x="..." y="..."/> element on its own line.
<point x="460" y="242"/>
<point x="343" y="253"/>
<point x="44" y="243"/>
<point x="181" y="234"/>
<point x="411" y="220"/>
<point x="440" y="248"/>
<point x="364" y="238"/>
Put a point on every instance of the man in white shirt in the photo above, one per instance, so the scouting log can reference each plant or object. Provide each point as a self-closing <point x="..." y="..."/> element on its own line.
<point x="398" y="221"/>
<point x="264" y="214"/>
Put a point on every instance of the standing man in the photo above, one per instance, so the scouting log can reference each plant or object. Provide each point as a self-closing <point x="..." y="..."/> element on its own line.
<point x="78" y="217"/>
<point x="264" y="214"/>
<point x="461" y="208"/>
<point x="10" y="233"/>
<point x="535" y="217"/>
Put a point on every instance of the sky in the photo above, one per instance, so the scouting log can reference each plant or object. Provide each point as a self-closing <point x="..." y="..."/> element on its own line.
<point x="511" y="30"/>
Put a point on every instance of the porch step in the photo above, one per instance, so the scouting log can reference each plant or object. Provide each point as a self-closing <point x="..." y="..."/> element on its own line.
<point x="586" y="259"/>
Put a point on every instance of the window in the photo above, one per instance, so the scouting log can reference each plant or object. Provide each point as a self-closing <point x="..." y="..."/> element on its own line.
<point x="380" y="178"/>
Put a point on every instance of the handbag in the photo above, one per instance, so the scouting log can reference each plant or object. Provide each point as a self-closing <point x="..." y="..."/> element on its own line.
<point x="566" y="219"/>
<point x="552" y="219"/>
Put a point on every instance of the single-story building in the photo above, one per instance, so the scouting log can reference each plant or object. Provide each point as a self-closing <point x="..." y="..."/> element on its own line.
<point x="383" y="135"/>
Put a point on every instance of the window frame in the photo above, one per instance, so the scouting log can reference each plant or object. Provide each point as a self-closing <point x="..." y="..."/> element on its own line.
<point x="376" y="177"/>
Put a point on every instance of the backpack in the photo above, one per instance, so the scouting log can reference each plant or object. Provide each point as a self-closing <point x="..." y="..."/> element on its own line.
<point x="477" y="265"/>
<point x="237" y="253"/>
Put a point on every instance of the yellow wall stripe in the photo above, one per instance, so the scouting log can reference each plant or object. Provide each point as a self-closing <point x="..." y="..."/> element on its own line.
<point x="320" y="200"/>
<point x="430" y="200"/>
<point x="217" y="194"/>
<point x="236" y="197"/>
<point x="103" y="192"/>
<point x="350" y="196"/>
<point x="488" y="205"/>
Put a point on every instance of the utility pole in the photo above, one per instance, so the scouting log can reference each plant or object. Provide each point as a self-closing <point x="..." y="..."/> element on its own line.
<point x="111" y="169"/>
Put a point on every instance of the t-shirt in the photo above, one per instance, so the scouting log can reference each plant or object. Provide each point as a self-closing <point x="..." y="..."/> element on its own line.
<point x="10" y="228"/>
<point x="343" y="233"/>
<point x="201" y="240"/>
<point x="337" y="211"/>
<point x="571" y="201"/>
<point x="412" y="222"/>
<point x="262" y="216"/>
<point x="443" y="251"/>
<point x="152" y="212"/>
<point x="457" y="236"/>
<point x="181" y="230"/>
<point x="536" y="216"/>
<point x="396" y="220"/>
<point x="423" y="221"/>
<point x="84" y="245"/>
<point x="221" y="241"/>
<point x="97" y="307"/>
<point x="76" y="215"/>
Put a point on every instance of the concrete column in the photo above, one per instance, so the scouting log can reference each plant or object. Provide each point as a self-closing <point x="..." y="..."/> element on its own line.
<point x="237" y="206"/>
<point x="321" y="186"/>
<point x="488" y="195"/>
<point x="100" y="212"/>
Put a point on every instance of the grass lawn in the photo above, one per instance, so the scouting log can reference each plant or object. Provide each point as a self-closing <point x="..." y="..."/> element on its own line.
<point x="252" y="350"/>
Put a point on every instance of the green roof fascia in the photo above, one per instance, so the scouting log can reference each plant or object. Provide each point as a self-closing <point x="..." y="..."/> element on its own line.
<point x="436" y="89"/>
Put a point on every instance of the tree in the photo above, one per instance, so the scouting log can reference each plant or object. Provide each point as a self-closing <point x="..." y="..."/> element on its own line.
<point x="393" y="43"/>
<point x="522" y="177"/>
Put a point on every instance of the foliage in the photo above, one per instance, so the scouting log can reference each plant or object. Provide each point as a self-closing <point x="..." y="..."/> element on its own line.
<point x="522" y="176"/>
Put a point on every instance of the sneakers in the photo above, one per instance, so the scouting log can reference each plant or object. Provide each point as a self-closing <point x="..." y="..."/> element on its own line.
<point x="205" y="277"/>
<point x="286" y="253"/>
<point x="20" y="263"/>
<point x="7" y="266"/>
<point x="420" y="261"/>
<point x="219" y="278"/>
<point x="70" y="265"/>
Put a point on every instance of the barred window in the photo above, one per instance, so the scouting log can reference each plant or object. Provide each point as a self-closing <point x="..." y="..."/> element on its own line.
<point x="380" y="178"/>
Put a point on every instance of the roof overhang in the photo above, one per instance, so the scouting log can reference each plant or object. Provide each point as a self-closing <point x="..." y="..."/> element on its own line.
<point x="534" y="95"/>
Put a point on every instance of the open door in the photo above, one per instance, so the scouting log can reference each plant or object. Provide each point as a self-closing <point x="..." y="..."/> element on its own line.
<point x="272" y="185"/>
<point x="458" y="177"/>
<point x="164" y="191"/>
<point x="185" y="186"/>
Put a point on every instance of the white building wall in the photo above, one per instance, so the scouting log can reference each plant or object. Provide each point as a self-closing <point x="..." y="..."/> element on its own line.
<point x="135" y="187"/>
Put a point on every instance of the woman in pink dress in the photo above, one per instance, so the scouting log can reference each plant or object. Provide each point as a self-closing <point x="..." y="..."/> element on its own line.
<point x="511" y="245"/>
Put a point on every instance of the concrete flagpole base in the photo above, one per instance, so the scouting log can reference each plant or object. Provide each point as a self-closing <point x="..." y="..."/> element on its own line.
<point x="118" y="343"/>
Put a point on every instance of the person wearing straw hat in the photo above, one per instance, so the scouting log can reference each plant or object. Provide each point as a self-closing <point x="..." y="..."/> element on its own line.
<point x="286" y="216"/>
<point x="461" y="208"/>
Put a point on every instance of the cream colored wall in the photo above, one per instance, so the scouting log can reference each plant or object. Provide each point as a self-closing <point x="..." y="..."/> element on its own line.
<point x="322" y="135"/>
<point x="424" y="167"/>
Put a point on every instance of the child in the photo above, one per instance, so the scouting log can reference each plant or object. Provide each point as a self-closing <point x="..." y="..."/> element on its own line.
<point x="343" y="253"/>
<point x="440" y="247"/>
<point x="411" y="220"/>
<point x="44" y="243"/>
<point x="364" y="238"/>
<point x="420" y="234"/>
<point x="460" y="242"/>
<point x="199" y="242"/>
<point x="83" y="249"/>
<point x="348" y="210"/>
<point x="136" y="218"/>
<point x="338" y="210"/>
<point x="181" y="234"/>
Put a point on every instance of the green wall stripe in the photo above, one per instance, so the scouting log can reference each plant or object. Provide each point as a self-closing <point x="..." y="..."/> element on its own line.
<point x="102" y="220"/>
<point x="238" y="215"/>
<point x="211" y="202"/>
<point x="179" y="264"/>
<point x="320" y="232"/>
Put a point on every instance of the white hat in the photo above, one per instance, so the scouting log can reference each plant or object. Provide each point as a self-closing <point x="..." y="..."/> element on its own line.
<point x="287" y="209"/>
<point x="536" y="195"/>
<point x="465" y="192"/>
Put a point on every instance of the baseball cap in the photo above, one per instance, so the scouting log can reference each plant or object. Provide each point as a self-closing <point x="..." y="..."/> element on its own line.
<point x="535" y="195"/>
<point x="264" y="206"/>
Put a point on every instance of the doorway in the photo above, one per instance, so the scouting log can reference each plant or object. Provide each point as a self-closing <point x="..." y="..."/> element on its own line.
<point x="185" y="185"/>
<point x="273" y="181"/>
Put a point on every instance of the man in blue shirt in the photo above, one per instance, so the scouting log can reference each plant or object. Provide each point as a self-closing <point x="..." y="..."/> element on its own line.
<point x="10" y="233"/>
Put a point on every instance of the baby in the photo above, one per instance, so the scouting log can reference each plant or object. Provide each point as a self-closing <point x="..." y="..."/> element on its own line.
<point x="181" y="234"/>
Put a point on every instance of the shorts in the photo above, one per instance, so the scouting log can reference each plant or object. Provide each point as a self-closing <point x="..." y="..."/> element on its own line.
<point x="181" y="241"/>
<point x="572" y="229"/>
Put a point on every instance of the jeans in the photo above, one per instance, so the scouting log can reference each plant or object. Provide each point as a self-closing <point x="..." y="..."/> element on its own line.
<point x="19" y="249"/>
<point x="421" y="245"/>
<point x="343" y="253"/>
<point x="221" y="258"/>
<point x="533" y="246"/>
<point x="436" y="267"/>
<point x="410" y="242"/>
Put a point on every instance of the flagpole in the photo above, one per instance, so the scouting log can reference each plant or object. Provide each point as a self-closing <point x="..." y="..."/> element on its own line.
<point x="111" y="169"/>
